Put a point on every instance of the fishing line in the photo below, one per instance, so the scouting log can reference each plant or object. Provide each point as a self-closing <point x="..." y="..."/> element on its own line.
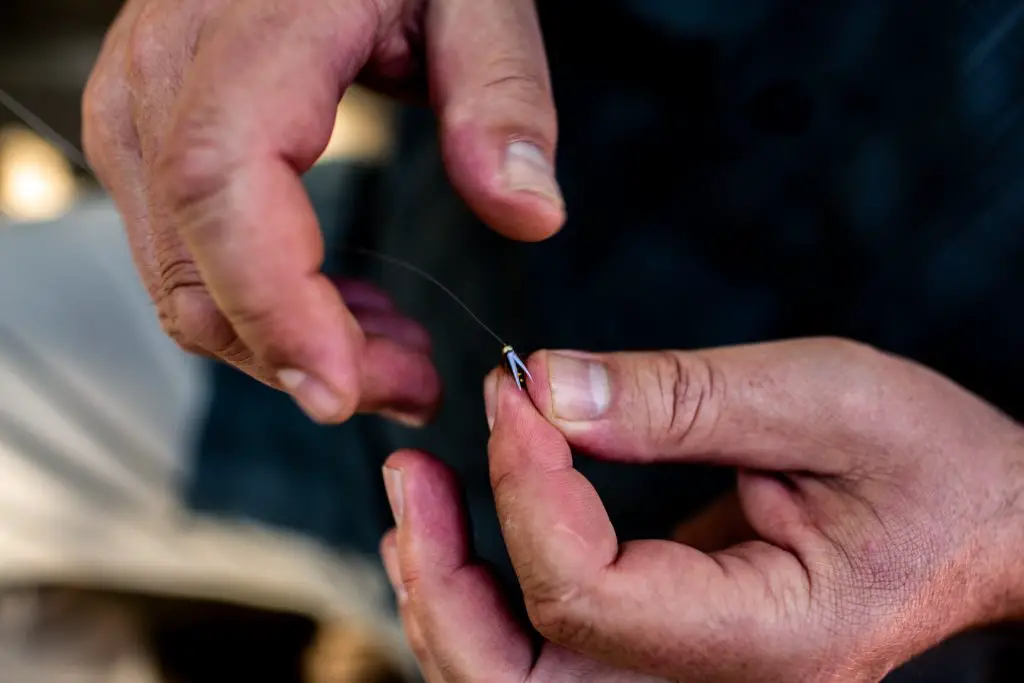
<point x="44" y="130"/>
<point x="78" y="158"/>
<point x="427" y="276"/>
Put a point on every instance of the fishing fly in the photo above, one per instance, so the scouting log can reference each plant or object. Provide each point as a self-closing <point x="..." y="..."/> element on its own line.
<point x="510" y="359"/>
<point x="513" y="363"/>
<point x="516" y="366"/>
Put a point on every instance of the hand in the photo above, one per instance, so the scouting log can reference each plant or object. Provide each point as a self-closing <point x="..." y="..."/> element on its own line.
<point x="201" y="116"/>
<point x="886" y="501"/>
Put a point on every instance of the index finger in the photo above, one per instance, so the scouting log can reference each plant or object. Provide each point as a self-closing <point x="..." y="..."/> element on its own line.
<point x="256" y="110"/>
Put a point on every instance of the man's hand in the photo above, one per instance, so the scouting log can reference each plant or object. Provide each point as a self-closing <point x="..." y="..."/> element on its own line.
<point x="201" y="116"/>
<point x="885" y="500"/>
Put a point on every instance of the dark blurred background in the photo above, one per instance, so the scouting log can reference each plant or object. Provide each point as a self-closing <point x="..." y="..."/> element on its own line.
<point x="47" y="48"/>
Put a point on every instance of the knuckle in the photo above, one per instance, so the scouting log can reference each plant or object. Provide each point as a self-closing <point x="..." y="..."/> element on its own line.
<point x="554" y="602"/>
<point x="514" y="90"/>
<point x="178" y="273"/>
<point x="857" y="372"/>
<point x="196" y="324"/>
<point x="680" y="408"/>
<point x="193" y="166"/>
<point x="104" y="116"/>
<point x="105" y="103"/>
<point x="95" y="103"/>
<point x="503" y="486"/>
<point x="191" y="316"/>
<point x="262" y="315"/>
<point x="559" y="618"/>
<point x="412" y="579"/>
<point x="169" y="324"/>
<point x="515" y="78"/>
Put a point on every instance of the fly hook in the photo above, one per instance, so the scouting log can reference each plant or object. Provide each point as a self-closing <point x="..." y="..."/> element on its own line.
<point x="516" y="366"/>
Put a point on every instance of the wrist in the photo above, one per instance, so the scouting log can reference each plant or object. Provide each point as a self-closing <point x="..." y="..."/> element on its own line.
<point x="1016" y="562"/>
<point x="1007" y="544"/>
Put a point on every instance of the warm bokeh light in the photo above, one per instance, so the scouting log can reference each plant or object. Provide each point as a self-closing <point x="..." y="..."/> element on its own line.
<point x="36" y="181"/>
<point x="362" y="129"/>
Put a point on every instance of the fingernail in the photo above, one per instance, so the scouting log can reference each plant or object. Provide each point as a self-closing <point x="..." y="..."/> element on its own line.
<point x="393" y="487"/>
<point x="394" y="572"/>
<point x="406" y="419"/>
<point x="528" y="170"/>
<point x="491" y="398"/>
<point x="580" y="388"/>
<point x="312" y="395"/>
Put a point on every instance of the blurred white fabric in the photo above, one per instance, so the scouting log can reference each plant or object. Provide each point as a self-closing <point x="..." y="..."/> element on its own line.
<point x="98" y="410"/>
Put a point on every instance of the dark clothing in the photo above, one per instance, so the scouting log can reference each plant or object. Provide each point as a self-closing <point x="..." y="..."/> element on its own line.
<point x="734" y="171"/>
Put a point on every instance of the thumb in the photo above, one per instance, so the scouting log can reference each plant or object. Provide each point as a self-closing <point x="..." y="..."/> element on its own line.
<point x="785" y="406"/>
<point x="489" y="84"/>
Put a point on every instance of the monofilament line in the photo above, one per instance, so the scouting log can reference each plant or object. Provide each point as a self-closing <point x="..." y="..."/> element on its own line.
<point x="76" y="157"/>
<point x="44" y="130"/>
<point x="424" y="274"/>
